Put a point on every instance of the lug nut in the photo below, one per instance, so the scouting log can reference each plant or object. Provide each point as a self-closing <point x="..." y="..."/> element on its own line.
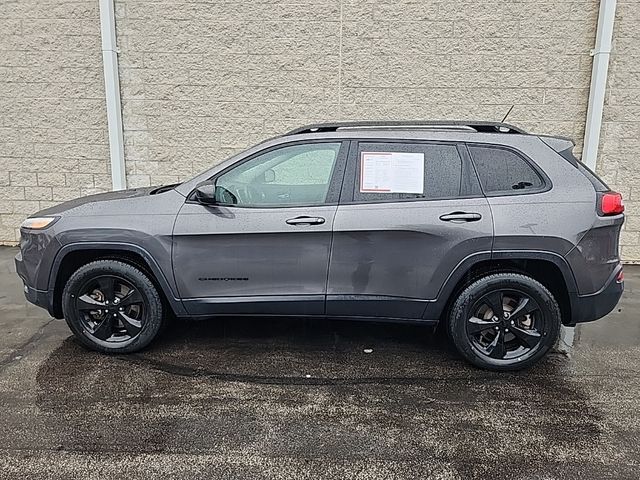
<point x="506" y="329"/>
<point x="497" y="328"/>
<point x="117" y="300"/>
<point x="512" y="323"/>
<point x="506" y="314"/>
<point x="115" y="314"/>
<point x="495" y="319"/>
<point x="120" y="309"/>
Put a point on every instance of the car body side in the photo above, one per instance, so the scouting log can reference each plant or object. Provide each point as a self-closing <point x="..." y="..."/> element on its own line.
<point x="557" y="227"/>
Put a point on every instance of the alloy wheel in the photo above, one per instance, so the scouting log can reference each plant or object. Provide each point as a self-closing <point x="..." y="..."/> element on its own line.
<point x="506" y="325"/>
<point x="111" y="309"/>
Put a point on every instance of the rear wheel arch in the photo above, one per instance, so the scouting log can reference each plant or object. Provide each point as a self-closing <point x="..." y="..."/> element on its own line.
<point x="551" y="270"/>
<point x="72" y="257"/>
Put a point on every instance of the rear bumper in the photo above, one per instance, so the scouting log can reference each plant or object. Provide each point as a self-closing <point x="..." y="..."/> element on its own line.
<point x="587" y="308"/>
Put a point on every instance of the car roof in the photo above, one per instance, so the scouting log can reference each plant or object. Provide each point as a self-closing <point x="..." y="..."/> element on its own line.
<point x="404" y="133"/>
<point x="440" y="130"/>
<point x="411" y="125"/>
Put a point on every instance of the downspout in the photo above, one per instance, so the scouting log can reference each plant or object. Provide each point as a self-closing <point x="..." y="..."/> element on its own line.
<point x="597" y="90"/>
<point x="112" y="94"/>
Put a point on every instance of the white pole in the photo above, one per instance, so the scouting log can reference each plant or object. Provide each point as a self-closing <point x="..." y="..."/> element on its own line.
<point x="598" y="81"/>
<point x="112" y="93"/>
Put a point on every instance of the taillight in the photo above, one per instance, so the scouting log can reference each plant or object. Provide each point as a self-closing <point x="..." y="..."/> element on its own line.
<point x="611" y="203"/>
<point x="620" y="277"/>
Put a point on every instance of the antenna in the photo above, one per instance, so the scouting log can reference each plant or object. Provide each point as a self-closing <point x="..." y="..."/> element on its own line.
<point x="505" y="117"/>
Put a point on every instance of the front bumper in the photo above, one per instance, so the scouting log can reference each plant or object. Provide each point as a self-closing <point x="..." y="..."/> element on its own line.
<point x="41" y="298"/>
<point x="587" y="308"/>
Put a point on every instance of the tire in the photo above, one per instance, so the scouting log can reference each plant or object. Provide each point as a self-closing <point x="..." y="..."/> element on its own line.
<point x="508" y="342"/>
<point x="131" y="313"/>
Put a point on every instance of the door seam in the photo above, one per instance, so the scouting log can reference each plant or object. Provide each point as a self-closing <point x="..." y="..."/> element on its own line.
<point x="333" y="224"/>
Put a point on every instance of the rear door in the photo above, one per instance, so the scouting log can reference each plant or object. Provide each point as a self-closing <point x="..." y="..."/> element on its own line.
<point x="396" y="240"/>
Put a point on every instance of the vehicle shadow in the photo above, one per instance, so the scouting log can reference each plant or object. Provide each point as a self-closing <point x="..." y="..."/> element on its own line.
<point x="298" y="350"/>
<point x="285" y="350"/>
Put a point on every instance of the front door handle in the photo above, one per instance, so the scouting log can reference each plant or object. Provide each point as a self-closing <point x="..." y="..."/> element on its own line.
<point x="460" y="217"/>
<point x="304" y="220"/>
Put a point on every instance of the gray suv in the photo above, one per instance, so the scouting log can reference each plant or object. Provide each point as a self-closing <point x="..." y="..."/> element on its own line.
<point x="501" y="235"/>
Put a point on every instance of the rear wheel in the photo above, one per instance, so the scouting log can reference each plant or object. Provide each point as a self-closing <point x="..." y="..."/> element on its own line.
<point x="112" y="306"/>
<point x="504" y="322"/>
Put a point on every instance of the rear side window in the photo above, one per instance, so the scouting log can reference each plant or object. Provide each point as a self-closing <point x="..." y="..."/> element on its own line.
<point x="504" y="172"/>
<point x="441" y="170"/>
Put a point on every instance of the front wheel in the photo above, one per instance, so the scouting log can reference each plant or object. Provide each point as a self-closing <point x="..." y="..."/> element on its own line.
<point x="504" y="321"/>
<point x="112" y="307"/>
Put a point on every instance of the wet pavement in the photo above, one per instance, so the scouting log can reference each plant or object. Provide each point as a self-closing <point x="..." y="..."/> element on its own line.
<point x="256" y="398"/>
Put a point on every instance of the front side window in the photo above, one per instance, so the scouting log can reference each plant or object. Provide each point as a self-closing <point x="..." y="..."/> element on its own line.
<point x="503" y="171"/>
<point x="400" y="171"/>
<point x="292" y="175"/>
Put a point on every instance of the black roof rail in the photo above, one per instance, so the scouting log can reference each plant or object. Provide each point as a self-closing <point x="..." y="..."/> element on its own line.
<point x="485" y="127"/>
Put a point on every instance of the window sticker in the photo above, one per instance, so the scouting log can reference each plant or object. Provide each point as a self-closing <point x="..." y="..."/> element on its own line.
<point x="391" y="172"/>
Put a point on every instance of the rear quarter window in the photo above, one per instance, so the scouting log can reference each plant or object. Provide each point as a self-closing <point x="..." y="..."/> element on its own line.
<point x="504" y="172"/>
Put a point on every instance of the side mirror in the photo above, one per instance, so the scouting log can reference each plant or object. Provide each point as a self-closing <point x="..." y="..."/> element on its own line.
<point x="206" y="193"/>
<point x="224" y="196"/>
<point x="269" y="176"/>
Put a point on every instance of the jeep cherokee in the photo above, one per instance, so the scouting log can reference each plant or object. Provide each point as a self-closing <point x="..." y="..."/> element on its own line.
<point x="501" y="235"/>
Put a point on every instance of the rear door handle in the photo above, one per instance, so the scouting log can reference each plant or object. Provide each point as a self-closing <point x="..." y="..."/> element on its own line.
<point x="304" y="220"/>
<point x="460" y="217"/>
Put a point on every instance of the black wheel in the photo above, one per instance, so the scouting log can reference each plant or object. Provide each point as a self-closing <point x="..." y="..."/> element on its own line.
<point x="112" y="306"/>
<point x="505" y="321"/>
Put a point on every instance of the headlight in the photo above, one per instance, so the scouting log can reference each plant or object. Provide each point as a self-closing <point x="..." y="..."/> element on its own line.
<point x="38" y="223"/>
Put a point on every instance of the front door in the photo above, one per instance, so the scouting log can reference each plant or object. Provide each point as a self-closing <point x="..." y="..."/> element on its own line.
<point x="265" y="247"/>
<point x="410" y="212"/>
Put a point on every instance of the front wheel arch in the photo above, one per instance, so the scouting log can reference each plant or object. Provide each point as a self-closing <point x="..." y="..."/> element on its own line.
<point x="72" y="257"/>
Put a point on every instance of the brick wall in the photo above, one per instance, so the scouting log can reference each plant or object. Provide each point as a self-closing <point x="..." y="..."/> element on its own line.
<point x="202" y="80"/>
<point x="53" y="140"/>
<point x="619" y="156"/>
